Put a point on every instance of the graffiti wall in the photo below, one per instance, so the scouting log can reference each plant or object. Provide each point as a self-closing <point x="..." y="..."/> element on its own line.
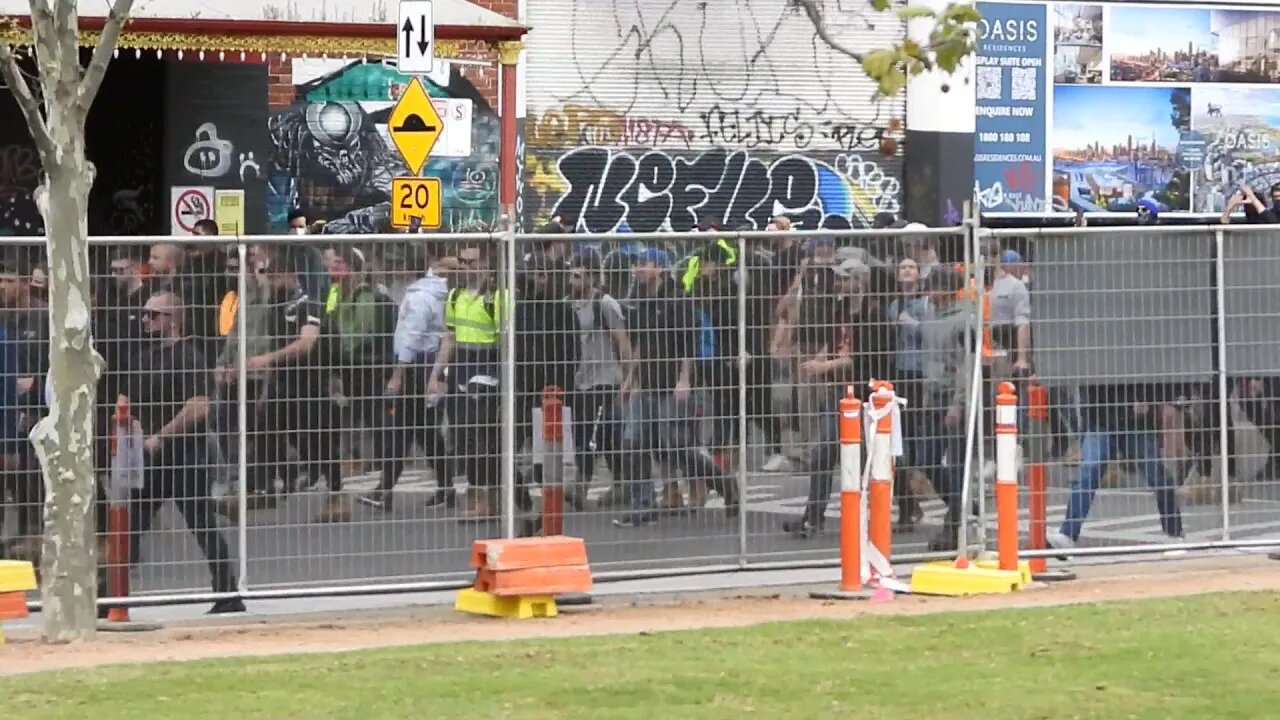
<point x="214" y="117"/>
<point x="332" y="157"/>
<point x="655" y="113"/>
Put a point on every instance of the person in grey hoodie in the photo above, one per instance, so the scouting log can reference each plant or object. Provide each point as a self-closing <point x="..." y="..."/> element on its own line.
<point x="414" y="413"/>
<point x="948" y="344"/>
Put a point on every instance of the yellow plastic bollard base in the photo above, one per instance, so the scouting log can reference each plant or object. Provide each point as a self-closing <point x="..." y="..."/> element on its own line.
<point x="1024" y="569"/>
<point x="16" y="576"/>
<point x="521" y="607"/>
<point x="944" y="578"/>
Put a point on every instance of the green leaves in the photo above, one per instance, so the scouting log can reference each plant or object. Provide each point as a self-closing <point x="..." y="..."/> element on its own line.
<point x="951" y="39"/>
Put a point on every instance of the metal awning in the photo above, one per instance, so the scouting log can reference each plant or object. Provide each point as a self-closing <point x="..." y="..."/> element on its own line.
<point x="350" y="28"/>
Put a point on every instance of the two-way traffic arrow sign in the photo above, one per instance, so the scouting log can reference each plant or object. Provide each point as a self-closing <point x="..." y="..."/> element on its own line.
<point x="415" y="57"/>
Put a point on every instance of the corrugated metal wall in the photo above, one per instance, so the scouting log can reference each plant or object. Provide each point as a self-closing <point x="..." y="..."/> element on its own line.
<point x="651" y="113"/>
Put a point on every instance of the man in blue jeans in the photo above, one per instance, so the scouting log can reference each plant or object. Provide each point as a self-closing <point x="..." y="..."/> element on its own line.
<point x="662" y="326"/>
<point x="1119" y="420"/>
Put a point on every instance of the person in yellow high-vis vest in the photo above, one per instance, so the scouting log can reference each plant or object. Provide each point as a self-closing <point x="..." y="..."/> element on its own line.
<point x="475" y="313"/>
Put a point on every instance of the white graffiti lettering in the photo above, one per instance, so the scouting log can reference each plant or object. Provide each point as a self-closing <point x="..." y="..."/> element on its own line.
<point x="879" y="188"/>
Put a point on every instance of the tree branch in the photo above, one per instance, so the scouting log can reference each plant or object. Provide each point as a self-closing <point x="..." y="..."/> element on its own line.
<point x="810" y="8"/>
<point x="92" y="80"/>
<point x="27" y="102"/>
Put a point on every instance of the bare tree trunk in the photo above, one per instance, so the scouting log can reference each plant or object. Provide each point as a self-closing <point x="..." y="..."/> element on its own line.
<point x="64" y="439"/>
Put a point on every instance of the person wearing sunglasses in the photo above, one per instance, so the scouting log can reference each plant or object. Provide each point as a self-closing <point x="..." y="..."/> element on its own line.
<point x="170" y="397"/>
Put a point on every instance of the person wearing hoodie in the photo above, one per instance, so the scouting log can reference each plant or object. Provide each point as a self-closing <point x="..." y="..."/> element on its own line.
<point x="419" y="329"/>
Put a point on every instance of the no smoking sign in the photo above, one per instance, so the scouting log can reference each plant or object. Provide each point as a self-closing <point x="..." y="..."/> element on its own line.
<point x="189" y="206"/>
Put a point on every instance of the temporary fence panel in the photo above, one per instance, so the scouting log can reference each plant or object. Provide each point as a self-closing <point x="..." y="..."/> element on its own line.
<point x="1249" y="266"/>
<point x="340" y="466"/>
<point x="1124" y="328"/>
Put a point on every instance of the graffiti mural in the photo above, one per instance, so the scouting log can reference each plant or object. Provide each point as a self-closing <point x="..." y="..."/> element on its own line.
<point x="331" y="154"/>
<point x="654" y="190"/>
<point x="655" y="113"/>
<point x="215" y="139"/>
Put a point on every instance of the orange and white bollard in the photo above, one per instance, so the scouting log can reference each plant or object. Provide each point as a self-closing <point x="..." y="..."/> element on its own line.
<point x="553" y="461"/>
<point x="880" y="515"/>
<point x="863" y="567"/>
<point x="851" y="569"/>
<point x="1037" y="485"/>
<point x="1007" y="476"/>
<point x="117" y="545"/>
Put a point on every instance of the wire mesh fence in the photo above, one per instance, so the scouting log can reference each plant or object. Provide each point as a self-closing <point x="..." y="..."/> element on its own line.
<point x="329" y="413"/>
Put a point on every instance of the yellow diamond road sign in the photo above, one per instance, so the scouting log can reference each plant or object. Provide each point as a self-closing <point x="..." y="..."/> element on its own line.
<point x="415" y="126"/>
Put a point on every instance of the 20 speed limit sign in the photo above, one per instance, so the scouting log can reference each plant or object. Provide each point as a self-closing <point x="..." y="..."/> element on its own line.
<point x="415" y="203"/>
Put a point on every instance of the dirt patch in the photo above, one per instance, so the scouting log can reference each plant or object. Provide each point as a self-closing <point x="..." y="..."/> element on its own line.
<point x="720" y="609"/>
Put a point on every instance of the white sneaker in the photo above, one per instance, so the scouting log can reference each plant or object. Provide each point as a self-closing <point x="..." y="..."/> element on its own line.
<point x="1175" y="548"/>
<point x="777" y="464"/>
<point x="1059" y="541"/>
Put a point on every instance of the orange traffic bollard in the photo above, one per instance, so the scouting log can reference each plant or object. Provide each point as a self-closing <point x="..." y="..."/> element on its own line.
<point x="850" y="493"/>
<point x="1037" y="487"/>
<point x="118" y="526"/>
<point x="553" y="461"/>
<point x="880" y="500"/>
<point x="1007" y="476"/>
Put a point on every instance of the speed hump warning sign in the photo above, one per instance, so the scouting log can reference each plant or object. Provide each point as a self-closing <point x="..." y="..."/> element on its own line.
<point x="415" y="203"/>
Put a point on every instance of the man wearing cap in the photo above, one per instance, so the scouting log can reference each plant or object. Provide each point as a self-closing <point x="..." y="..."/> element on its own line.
<point x="663" y="330"/>
<point x="857" y="349"/>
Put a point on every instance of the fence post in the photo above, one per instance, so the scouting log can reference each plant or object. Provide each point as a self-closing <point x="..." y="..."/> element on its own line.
<point x="242" y="418"/>
<point x="1224" y="406"/>
<point x="744" y="358"/>
<point x="507" y="243"/>
<point x="1006" y="427"/>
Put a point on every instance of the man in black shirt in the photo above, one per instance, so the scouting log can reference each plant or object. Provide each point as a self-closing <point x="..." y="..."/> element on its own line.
<point x="298" y="403"/>
<point x="169" y="394"/>
<point x="663" y="329"/>
<point x="857" y="349"/>
<point x="27" y="321"/>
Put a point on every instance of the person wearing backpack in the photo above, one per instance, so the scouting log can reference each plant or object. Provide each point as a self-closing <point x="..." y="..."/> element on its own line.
<point x="604" y="353"/>
<point x="362" y="317"/>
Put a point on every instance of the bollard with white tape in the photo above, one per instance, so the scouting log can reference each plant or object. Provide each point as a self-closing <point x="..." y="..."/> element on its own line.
<point x="1007" y="476"/>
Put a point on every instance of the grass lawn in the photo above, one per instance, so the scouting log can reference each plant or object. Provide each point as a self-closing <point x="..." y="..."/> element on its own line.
<point x="1208" y="657"/>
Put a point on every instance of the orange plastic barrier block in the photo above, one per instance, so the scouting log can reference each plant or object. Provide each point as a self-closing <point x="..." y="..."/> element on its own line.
<point x="13" y="606"/>
<point x="559" y="580"/>
<point x="530" y="552"/>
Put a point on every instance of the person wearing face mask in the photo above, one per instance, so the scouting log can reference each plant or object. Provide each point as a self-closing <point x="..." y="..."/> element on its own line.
<point x="309" y="261"/>
<point x="857" y="349"/>
<point x="170" y="396"/>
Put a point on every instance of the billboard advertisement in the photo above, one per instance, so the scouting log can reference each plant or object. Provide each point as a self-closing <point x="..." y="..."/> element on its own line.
<point x="1176" y="102"/>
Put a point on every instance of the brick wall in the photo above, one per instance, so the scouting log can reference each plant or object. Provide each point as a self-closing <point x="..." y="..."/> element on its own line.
<point x="279" y="83"/>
